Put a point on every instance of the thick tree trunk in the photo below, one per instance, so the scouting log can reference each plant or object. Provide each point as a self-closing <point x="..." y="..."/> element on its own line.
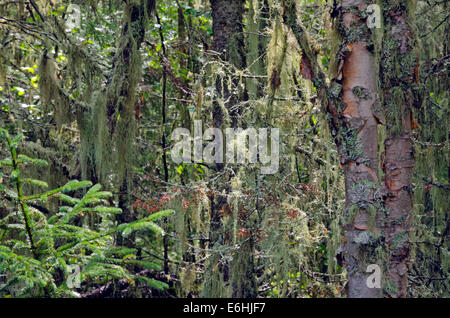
<point x="359" y="148"/>
<point x="351" y="104"/>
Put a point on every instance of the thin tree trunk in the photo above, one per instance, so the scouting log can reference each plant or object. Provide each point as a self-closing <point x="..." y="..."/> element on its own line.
<point x="163" y="138"/>
<point x="228" y="41"/>
<point x="257" y="45"/>
<point x="121" y="102"/>
<point x="398" y="62"/>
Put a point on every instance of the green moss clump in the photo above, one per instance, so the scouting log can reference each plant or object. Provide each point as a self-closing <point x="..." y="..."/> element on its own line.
<point x="361" y="93"/>
<point x="352" y="212"/>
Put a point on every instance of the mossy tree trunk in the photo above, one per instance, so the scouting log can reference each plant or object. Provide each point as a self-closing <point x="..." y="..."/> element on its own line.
<point x="121" y="98"/>
<point x="398" y="67"/>
<point x="351" y="103"/>
<point x="228" y="41"/>
<point x="358" y="146"/>
<point x="243" y="272"/>
<point x="257" y="45"/>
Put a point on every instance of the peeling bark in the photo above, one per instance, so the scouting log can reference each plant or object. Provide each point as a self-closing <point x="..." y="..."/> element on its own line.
<point x="360" y="160"/>
<point x="351" y="103"/>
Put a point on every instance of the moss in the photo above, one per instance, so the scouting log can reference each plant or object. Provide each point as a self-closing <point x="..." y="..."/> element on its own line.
<point x="357" y="31"/>
<point x="395" y="110"/>
<point x="351" y="148"/>
<point x="276" y="54"/>
<point x="390" y="288"/>
<point x="334" y="92"/>
<point x="361" y="93"/>
<point x="372" y="215"/>
<point x="50" y="91"/>
<point x="352" y="212"/>
<point x="243" y="278"/>
<point x="332" y="245"/>
<point x="381" y="149"/>
<point x="400" y="239"/>
<point x="364" y="238"/>
<point x="445" y="255"/>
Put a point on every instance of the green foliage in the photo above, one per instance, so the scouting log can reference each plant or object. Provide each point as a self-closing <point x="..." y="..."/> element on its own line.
<point x="37" y="251"/>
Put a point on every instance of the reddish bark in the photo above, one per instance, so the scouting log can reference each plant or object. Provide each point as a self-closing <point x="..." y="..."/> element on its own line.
<point x="399" y="153"/>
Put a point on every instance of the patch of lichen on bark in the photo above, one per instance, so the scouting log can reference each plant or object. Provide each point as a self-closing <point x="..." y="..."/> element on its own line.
<point x="354" y="33"/>
<point x="361" y="93"/>
<point x="351" y="149"/>
<point x="349" y="145"/>
<point x="398" y="57"/>
<point x="366" y="205"/>
<point x="364" y="200"/>
<point x="358" y="30"/>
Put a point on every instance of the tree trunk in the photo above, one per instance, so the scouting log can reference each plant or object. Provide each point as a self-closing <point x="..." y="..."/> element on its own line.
<point x="256" y="48"/>
<point x="359" y="148"/>
<point x="228" y="41"/>
<point x="121" y="99"/>
<point x="398" y="62"/>
<point x="351" y="105"/>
